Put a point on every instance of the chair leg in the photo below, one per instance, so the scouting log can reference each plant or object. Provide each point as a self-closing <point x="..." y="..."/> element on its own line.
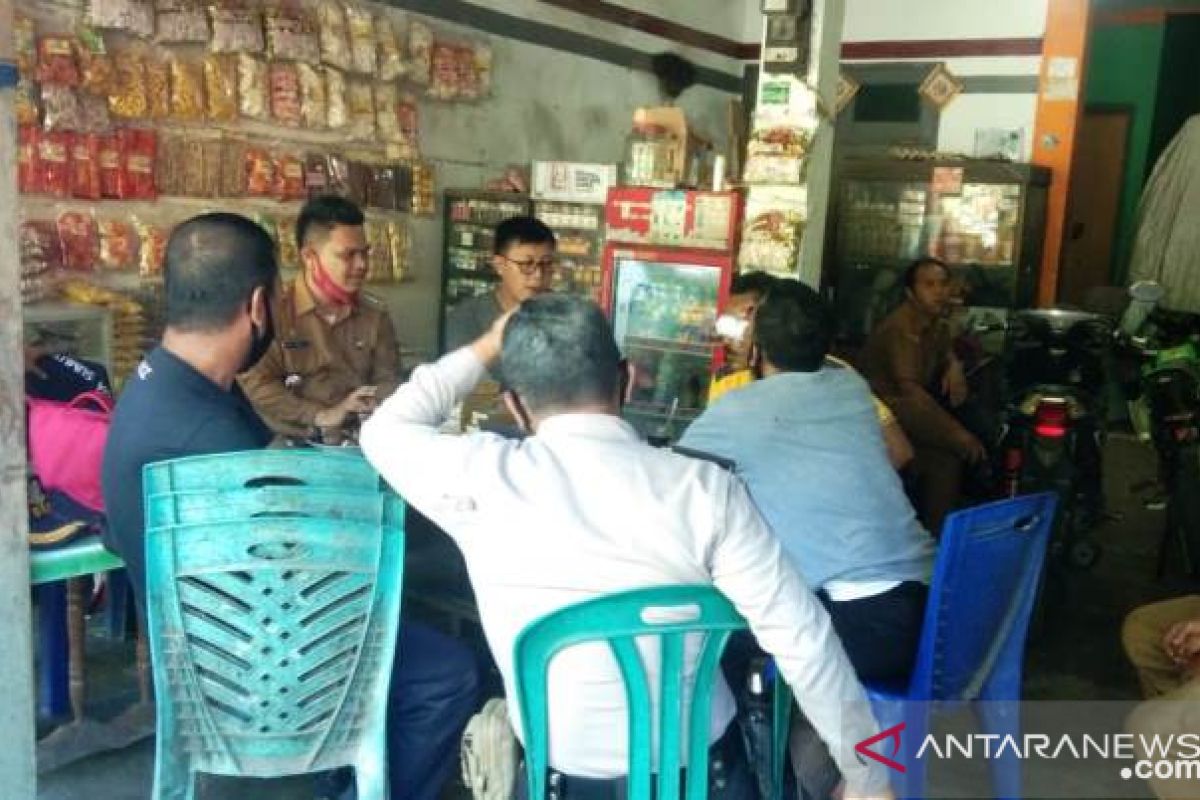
<point x="76" y="646"/>
<point x="173" y="776"/>
<point x="915" y="718"/>
<point x="1003" y="719"/>
<point x="370" y="776"/>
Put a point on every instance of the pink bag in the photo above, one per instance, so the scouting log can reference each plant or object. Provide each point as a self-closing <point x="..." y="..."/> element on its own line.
<point x="66" y="445"/>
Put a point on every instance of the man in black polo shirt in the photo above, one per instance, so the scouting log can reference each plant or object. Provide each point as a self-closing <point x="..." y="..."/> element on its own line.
<point x="220" y="273"/>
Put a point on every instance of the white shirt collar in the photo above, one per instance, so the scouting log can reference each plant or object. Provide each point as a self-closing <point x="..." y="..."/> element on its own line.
<point x="594" y="426"/>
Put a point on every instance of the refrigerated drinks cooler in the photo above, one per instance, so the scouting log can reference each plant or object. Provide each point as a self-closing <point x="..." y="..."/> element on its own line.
<point x="668" y="263"/>
<point x="471" y="219"/>
<point x="985" y="219"/>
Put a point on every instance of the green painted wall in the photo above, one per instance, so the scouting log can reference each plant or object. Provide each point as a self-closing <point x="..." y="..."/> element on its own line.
<point x="1179" y="81"/>
<point x="1123" y="69"/>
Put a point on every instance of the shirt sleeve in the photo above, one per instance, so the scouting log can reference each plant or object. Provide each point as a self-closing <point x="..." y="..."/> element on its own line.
<point x="921" y="416"/>
<point x="749" y="567"/>
<point x="385" y="365"/>
<point x="709" y="433"/>
<point x="401" y="439"/>
<point x="264" y="385"/>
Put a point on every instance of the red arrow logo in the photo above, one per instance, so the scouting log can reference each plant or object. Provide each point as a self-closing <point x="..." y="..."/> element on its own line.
<point x="892" y="733"/>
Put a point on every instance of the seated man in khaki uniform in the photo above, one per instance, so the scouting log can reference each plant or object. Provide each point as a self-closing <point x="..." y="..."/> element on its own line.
<point x="335" y="349"/>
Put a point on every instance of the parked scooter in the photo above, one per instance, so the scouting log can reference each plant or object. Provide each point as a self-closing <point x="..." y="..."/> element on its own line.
<point x="1052" y="434"/>
<point x="1166" y="411"/>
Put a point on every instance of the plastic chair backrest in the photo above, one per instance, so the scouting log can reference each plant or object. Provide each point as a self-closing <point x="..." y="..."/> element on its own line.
<point x="984" y="585"/>
<point x="256" y="468"/>
<point x="669" y="614"/>
<point x="191" y="508"/>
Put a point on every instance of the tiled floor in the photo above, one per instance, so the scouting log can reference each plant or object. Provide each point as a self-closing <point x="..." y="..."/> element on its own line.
<point x="1078" y="657"/>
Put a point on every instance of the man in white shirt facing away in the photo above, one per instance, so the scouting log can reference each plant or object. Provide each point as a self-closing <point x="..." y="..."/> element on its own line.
<point x="582" y="508"/>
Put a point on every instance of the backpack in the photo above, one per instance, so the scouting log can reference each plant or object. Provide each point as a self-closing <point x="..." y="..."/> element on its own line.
<point x="66" y="445"/>
<point x="489" y="753"/>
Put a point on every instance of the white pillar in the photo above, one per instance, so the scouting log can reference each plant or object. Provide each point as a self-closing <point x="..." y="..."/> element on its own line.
<point x="823" y="70"/>
<point x="17" y="768"/>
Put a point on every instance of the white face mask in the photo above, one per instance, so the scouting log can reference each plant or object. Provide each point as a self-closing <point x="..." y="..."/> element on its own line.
<point x="732" y="328"/>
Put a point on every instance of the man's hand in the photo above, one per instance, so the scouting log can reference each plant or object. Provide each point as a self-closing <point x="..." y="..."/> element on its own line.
<point x="488" y="347"/>
<point x="970" y="448"/>
<point x="841" y="793"/>
<point x="954" y="383"/>
<point x="361" y="400"/>
<point x="1182" y="642"/>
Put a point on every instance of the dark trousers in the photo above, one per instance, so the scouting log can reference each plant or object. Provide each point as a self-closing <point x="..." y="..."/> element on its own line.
<point x="880" y="634"/>
<point x="434" y="691"/>
<point x="729" y="777"/>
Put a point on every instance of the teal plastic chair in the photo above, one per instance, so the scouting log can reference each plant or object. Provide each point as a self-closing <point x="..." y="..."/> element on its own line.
<point x="259" y="468"/>
<point x="669" y="614"/>
<point x="190" y="508"/>
<point x="272" y="636"/>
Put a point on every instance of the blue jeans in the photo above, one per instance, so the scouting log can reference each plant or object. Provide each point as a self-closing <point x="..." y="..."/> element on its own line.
<point x="434" y="691"/>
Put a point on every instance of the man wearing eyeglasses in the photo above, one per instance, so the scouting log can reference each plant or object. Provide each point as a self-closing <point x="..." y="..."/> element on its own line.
<point x="336" y="348"/>
<point x="524" y="259"/>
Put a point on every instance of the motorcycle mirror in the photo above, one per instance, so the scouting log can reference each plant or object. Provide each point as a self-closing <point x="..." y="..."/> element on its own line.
<point x="1144" y="297"/>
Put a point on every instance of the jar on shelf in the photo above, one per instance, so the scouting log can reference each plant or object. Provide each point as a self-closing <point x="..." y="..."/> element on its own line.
<point x="650" y="157"/>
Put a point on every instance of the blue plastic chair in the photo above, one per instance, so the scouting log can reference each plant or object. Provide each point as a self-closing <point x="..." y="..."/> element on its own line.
<point x="669" y="614"/>
<point x="272" y="635"/>
<point x="973" y="638"/>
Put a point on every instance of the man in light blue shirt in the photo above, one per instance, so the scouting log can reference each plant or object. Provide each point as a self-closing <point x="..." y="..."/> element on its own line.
<point x="806" y="440"/>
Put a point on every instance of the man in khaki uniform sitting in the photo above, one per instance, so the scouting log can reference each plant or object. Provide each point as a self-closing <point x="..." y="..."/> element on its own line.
<point x="335" y="349"/>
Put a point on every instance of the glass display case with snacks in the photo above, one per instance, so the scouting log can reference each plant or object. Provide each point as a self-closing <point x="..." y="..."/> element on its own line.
<point x="579" y="228"/>
<point x="985" y="219"/>
<point x="82" y="331"/>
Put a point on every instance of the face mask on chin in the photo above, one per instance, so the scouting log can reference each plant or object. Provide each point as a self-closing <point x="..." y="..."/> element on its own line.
<point x="260" y="342"/>
<point x="324" y="283"/>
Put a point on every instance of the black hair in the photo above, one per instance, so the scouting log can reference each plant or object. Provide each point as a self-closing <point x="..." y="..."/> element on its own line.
<point x="320" y="214"/>
<point x="522" y="230"/>
<point x="559" y="353"/>
<point x="793" y="327"/>
<point x="910" y="274"/>
<point x="759" y="283"/>
<point x="213" y="264"/>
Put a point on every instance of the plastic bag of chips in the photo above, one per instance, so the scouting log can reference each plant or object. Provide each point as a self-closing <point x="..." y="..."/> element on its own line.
<point x="236" y="27"/>
<point x="118" y="244"/>
<point x="335" y="38"/>
<point x="152" y="247"/>
<point x="408" y="120"/>
<point x="285" y="93"/>
<point x="54" y="163"/>
<point x="79" y="239"/>
<point x="289" y="177"/>
<point x="56" y="61"/>
<point x="180" y="21"/>
<point x="483" y="69"/>
<point x="443" y="79"/>
<point x="29" y="169"/>
<point x="314" y="110"/>
<point x="253" y="89"/>
<point x="360" y="102"/>
<point x="25" y="103"/>
<point x="335" y="97"/>
<point x="379" y="262"/>
<point x="363" y="44"/>
<point x="187" y="90"/>
<point x="127" y="98"/>
<point x="25" y="44"/>
<point x="170" y="167"/>
<point x="382" y="190"/>
<point x="233" y="169"/>
<point x="111" y="169"/>
<point x="289" y="250"/>
<point x="339" y="175"/>
<point x="60" y="106"/>
<point x="221" y="87"/>
<point x="158" y="87"/>
<point x="398" y="246"/>
<point x="316" y="174"/>
<point x="259" y="171"/>
<point x="132" y="16"/>
<point x="468" y="78"/>
<point x="292" y="34"/>
<point x="96" y="71"/>
<point x="390" y="54"/>
<point x="85" y="167"/>
<point x="420" y="52"/>
<point x="139" y="151"/>
<point x="386" y="121"/>
<point x="41" y="251"/>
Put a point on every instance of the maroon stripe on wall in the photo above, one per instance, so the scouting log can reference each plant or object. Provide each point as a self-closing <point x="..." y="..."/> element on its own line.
<point x="656" y="26"/>
<point x="942" y="48"/>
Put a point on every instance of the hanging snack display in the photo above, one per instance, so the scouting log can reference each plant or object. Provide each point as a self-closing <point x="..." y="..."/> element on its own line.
<point x="78" y="237"/>
<point x="289" y="177"/>
<point x="387" y="120"/>
<point x="85" y="167"/>
<point x="187" y="90"/>
<point x="118" y="244"/>
<point x="220" y="87"/>
<point x="110" y="166"/>
<point x="54" y="164"/>
<point x="93" y="114"/>
<point x="158" y="87"/>
<point x="292" y="34"/>
<point x="139" y="149"/>
<point x="29" y="180"/>
<point x="314" y="110"/>
<point x="335" y="39"/>
<point x="443" y="77"/>
<point x="363" y="43"/>
<point x="60" y="108"/>
<point x="132" y="16"/>
<point x="777" y="155"/>
<point x="420" y="52"/>
<point x="152" y="247"/>
<point x="360" y="103"/>
<point x="423" y="197"/>
<point x="259" y="171"/>
<point x="24" y="43"/>
<point x="285" y="232"/>
<point x="180" y="22"/>
<point x="379" y="262"/>
<point x="335" y="97"/>
<point x="391" y="56"/>
<point x="285" y="93"/>
<point x="253" y="87"/>
<point x="236" y="27"/>
<point x="25" y="103"/>
<point x="398" y="246"/>
<point x="56" y="61"/>
<point x="96" y="72"/>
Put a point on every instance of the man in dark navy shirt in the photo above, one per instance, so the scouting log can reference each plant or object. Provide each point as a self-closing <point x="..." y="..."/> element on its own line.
<point x="184" y="401"/>
<point x="220" y="273"/>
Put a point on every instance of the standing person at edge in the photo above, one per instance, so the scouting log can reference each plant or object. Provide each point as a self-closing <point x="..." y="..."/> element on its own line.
<point x="524" y="258"/>
<point x="910" y="363"/>
<point x="336" y="350"/>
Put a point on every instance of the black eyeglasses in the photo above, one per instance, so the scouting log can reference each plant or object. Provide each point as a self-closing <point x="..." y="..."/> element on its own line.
<point x="530" y="267"/>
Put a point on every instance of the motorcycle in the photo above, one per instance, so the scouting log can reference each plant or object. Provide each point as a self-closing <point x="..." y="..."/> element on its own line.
<point x="1166" y="411"/>
<point x="1052" y="433"/>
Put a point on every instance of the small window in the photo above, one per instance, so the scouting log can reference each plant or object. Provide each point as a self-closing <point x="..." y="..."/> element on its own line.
<point x="888" y="102"/>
